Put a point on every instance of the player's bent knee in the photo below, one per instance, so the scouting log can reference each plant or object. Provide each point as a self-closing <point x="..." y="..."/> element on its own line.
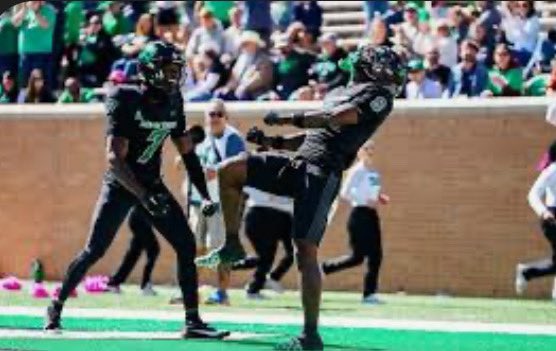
<point x="233" y="170"/>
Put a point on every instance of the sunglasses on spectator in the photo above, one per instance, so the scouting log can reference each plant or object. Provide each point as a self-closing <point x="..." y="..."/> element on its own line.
<point x="523" y="5"/>
<point x="216" y="114"/>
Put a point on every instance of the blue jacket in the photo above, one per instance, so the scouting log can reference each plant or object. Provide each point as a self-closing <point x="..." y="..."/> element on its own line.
<point x="209" y="157"/>
<point x="471" y="83"/>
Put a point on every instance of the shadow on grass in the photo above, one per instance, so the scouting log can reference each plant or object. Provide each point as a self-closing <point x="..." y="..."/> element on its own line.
<point x="269" y="345"/>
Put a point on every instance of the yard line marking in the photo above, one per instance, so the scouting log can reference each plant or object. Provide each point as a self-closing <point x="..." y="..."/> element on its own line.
<point x="351" y="322"/>
<point x="107" y="335"/>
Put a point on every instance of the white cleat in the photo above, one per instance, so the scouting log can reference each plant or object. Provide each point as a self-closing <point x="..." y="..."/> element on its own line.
<point x="256" y="296"/>
<point x="274" y="285"/>
<point x="520" y="281"/>
<point x="372" y="300"/>
<point x="148" y="290"/>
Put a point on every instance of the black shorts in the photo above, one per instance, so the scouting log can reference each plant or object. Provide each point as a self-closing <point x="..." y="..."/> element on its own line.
<point x="313" y="191"/>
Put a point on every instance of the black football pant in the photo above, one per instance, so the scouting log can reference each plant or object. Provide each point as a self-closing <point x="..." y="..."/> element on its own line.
<point x="365" y="243"/>
<point x="112" y="208"/>
<point x="142" y="239"/>
<point x="265" y="228"/>
<point x="545" y="267"/>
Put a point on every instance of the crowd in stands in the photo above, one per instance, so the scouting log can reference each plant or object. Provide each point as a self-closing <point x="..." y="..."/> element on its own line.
<point x="69" y="51"/>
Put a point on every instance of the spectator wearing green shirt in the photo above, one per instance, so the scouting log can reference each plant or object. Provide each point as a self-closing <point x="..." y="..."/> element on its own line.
<point x="326" y="71"/>
<point x="291" y="69"/>
<point x="506" y="76"/>
<point x="73" y="93"/>
<point x="96" y="54"/>
<point x="8" y="49"/>
<point x="542" y="84"/>
<point x="113" y="21"/>
<point x="36" y="21"/>
<point x="74" y="18"/>
<point x="220" y="9"/>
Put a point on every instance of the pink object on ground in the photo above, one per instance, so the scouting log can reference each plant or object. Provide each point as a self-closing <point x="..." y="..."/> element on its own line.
<point x="38" y="291"/>
<point x="96" y="284"/>
<point x="56" y="292"/>
<point x="10" y="283"/>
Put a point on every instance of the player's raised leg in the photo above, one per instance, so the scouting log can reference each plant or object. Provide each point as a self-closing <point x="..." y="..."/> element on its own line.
<point x="232" y="177"/>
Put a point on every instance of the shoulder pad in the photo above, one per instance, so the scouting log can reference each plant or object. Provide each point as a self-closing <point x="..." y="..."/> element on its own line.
<point x="129" y="92"/>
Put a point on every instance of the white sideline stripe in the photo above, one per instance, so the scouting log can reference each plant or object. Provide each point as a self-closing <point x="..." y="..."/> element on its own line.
<point x="433" y="326"/>
<point x="39" y="334"/>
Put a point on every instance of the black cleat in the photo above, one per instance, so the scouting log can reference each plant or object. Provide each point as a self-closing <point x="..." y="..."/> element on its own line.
<point x="201" y="330"/>
<point x="302" y="343"/>
<point x="53" y="317"/>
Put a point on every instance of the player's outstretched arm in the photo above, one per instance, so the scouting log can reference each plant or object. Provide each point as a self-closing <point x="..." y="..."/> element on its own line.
<point x="116" y="152"/>
<point x="346" y="114"/>
<point x="290" y="142"/>
<point x="186" y="147"/>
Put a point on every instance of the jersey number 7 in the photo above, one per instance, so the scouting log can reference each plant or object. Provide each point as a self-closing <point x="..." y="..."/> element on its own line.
<point x="156" y="138"/>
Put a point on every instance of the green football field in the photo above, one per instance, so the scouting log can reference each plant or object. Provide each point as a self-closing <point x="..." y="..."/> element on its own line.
<point x="409" y="323"/>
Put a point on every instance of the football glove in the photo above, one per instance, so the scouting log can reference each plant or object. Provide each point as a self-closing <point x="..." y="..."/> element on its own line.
<point x="255" y="136"/>
<point x="208" y="208"/>
<point x="157" y="204"/>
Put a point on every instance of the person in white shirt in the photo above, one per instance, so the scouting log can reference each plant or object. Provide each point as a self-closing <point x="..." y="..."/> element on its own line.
<point x="363" y="191"/>
<point x="542" y="199"/>
<point x="419" y="85"/>
<point x="522" y="27"/>
<point x="446" y="44"/>
<point x="267" y="222"/>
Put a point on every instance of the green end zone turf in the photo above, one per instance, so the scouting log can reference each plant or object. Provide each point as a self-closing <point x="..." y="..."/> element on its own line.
<point x="258" y="337"/>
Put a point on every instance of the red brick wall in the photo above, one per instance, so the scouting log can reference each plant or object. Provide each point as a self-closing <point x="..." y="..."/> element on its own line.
<point x="458" y="221"/>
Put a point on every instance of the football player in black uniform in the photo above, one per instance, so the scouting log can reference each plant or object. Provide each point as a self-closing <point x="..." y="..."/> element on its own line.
<point x="312" y="176"/>
<point x="140" y="118"/>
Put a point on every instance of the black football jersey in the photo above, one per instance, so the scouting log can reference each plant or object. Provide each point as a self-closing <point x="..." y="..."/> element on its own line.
<point x="334" y="149"/>
<point x="146" y="123"/>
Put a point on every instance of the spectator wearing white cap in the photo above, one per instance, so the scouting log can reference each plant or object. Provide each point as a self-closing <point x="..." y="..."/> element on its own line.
<point x="252" y="74"/>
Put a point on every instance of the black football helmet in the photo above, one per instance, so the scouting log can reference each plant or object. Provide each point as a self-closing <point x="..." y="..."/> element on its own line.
<point x="382" y="65"/>
<point x="161" y="65"/>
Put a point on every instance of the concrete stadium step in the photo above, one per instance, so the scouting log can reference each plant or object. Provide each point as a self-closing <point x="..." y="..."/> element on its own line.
<point x="346" y="30"/>
<point x="546" y="6"/>
<point x="333" y="18"/>
<point x="341" y="6"/>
